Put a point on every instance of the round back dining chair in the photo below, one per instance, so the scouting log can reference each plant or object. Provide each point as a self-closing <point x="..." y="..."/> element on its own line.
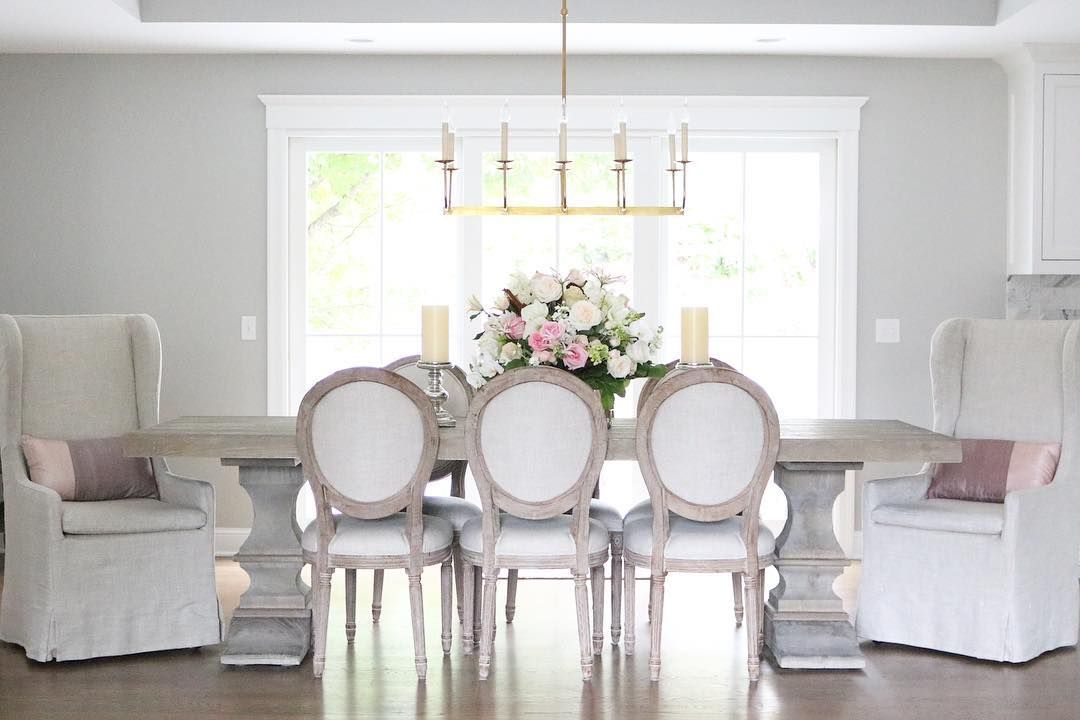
<point x="535" y="439"/>
<point x="367" y="439"/>
<point x="707" y="442"/>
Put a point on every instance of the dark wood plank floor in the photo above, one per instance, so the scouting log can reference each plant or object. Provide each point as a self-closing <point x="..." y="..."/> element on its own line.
<point x="535" y="673"/>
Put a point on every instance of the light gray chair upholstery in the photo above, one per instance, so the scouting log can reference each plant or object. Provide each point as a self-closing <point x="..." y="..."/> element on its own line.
<point x="991" y="581"/>
<point x="91" y="579"/>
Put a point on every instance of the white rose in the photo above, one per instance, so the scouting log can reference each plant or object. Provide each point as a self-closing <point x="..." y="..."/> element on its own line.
<point x="534" y="311"/>
<point x="487" y="365"/>
<point x="545" y="288"/>
<point x="619" y="365"/>
<point x="585" y="315"/>
<point x="639" y="352"/>
<point x="489" y="345"/>
<point x="520" y="286"/>
<point x="642" y="330"/>
<point x="575" y="277"/>
<point x="618" y="314"/>
<point x="510" y="351"/>
<point x="473" y="304"/>
<point x="500" y="301"/>
<point x="573" y="295"/>
<point x="594" y="290"/>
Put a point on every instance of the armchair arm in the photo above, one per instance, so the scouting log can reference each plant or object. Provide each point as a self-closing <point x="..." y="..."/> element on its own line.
<point x="881" y="491"/>
<point x="187" y="492"/>
<point x="1040" y="524"/>
<point x="32" y="511"/>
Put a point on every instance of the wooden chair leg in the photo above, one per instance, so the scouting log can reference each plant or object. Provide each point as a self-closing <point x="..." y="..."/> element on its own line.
<point x="737" y="592"/>
<point x="321" y="619"/>
<point x="657" y="593"/>
<point x="376" y="596"/>
<point x="760" y="606"/>
<point x="350" y="605"/>
<point x="478" y="605"/>
<point x="511" y="594"/>
<point x="459" y="581"/>
<point x="628" y="597"/>
<point x="416" y="605"/>
<point x="616" y="587"/>
<point x="487" y="628"/>
<point x="470" y="600"/>
<point x="753" y="625"/>
<point x="457" y="479"/>
<point x="446" y="597"/>
<point x="581" y="601"/>
<point x="597" y="609"/>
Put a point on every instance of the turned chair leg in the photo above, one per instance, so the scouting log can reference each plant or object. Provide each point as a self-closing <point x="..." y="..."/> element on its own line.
<point x="511" y="594"/>
<point x="478" y="604"/>
<point x="459" y="580"/>
<point x="597" y="609"/>
<point x="616" y="587"/>
<point x="446" y="596"/>
<point x="487" y="627"/>
<point x="467" y="629"/>
<point x="753" y="625"/>
<point x="657" y="592"/>
<point x="350" y="605"/>
<point x="760" y="606"/>
<point x="581" y="601"/>
<point x="416" y="605"/>
<point x="628" y="597"/>
<point x="376" y="596"/>
<point x="322" y="617"/>
<point x="737" y="591"/>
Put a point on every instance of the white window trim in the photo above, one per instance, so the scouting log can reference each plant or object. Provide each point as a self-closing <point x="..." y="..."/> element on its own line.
<point x="308" y="116"/>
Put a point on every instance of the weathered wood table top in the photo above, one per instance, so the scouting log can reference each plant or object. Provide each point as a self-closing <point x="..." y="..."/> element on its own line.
<point x="809" y="441"/>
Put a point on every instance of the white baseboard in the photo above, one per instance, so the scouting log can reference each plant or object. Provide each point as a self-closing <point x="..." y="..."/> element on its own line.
<point x="227" y="540"/>
<point x="856" y="545"/>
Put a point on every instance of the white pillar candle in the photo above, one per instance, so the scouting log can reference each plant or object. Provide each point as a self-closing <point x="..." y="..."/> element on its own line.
<point x="562" y="140"/>
<point x="504" y="141"/>
<point x="435" y="333"/>
<point x="695" y="335"/>
<point x="685" y="141"/>
<point x="671" y="150"/>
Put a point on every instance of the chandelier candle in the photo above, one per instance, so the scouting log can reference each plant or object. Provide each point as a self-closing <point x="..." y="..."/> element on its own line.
<point x="435" y="339"/>
<point x="695" y="337"/>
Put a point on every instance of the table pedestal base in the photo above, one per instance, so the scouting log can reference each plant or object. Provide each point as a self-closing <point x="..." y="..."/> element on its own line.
<point x="806" y="626"/>
<point x="272" y="623"/>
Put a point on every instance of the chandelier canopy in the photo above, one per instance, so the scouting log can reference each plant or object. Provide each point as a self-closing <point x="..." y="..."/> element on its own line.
<point x="676" y="167"/>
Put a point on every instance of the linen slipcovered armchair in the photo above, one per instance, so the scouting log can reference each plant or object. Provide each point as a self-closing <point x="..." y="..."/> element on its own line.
<point x="988" y="580"/>
<point x="90" y="579"/>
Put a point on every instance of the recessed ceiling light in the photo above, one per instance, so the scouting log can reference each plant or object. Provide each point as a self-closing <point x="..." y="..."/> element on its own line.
<point x="769" y="39"/>
<point x="360" y="40"/>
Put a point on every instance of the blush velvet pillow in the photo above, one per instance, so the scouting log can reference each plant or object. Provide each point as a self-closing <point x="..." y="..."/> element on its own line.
<point x="992" y="468"/>
<point x="88" y="469"/>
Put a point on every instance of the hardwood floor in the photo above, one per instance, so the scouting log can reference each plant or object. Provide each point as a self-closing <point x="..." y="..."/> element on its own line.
<point x="535" y="672"/>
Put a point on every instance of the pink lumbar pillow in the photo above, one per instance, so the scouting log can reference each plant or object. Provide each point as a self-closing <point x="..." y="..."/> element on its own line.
<point x="993" y="468"/>
<point x="88" y="469"/>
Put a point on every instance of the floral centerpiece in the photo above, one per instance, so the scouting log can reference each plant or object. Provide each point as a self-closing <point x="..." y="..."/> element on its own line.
<point x="577" y="323"/>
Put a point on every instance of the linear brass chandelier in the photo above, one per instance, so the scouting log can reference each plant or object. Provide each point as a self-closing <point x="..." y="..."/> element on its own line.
<point x="676" y="168"/>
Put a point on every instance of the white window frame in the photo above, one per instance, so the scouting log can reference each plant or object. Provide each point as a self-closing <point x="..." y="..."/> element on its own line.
<point x="299" y="121"/>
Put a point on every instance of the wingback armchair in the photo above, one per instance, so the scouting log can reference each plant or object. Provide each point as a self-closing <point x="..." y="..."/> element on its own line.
<point x="89" y="579"/>
<point x="988" y="580"/>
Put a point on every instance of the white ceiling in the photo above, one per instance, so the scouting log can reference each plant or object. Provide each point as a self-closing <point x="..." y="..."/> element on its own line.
<point x="113" y="26"/>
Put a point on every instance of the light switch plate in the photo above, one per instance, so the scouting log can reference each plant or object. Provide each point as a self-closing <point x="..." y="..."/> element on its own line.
<point x="887" y="330"/>
<point x="247" y="327"/>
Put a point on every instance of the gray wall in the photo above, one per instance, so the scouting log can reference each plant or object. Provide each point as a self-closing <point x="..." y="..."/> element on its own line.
<point x="137" y="184"/>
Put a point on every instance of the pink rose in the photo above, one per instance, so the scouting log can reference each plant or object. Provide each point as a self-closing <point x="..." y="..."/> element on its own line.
<point x="545" y="356"/>
<point x="538" y="341"/>
<point x="513" y="326"/>
<point x="575" y="357"/>
<point x="552" y="331"/>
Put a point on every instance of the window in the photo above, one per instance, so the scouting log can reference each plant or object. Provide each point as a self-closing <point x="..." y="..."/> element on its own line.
<point x="767" y="241"/>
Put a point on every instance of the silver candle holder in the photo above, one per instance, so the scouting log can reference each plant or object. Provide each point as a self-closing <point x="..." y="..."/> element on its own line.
<point x="436" y="392"/>
<point x="691" y="366"/>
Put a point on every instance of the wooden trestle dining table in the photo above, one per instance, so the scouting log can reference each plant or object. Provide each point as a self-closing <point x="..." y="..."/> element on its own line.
<point x="805" y="622"/>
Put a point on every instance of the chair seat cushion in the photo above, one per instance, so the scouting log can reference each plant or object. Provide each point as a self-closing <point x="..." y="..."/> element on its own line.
<point x="959" y="516"/>
<point x="456" y="511"/>
<point x="691" y="540"/>
<point x="385" y="536"/>
<point x="119" y="517"/>
<point x="608" y="516"/>
<point x="533" y="538"/>
<point x="642" y="509"/>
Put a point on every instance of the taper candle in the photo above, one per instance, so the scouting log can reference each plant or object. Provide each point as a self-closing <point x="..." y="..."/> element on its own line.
<point x="685" y="141"/>
<point x="435" y="333"/>
<point x="445" y="141"/>
<point x="695" y="335"/>
<point x="504" y="144"/>
<point x="562" y="140"/>
<point x="450" y="146"/>
<point x="671" y="150"/>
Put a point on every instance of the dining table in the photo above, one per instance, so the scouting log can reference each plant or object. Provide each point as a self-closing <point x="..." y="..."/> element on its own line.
<point x="806" y="626"/>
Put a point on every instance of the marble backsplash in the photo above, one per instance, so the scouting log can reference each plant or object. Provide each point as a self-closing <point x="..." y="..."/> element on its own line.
<point x="1042" y="297"/>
